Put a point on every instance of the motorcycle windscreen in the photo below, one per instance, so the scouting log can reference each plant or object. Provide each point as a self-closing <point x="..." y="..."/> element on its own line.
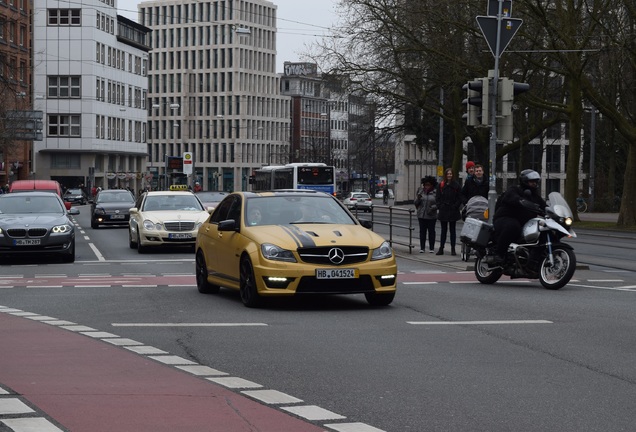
<point x="559" y="205"/>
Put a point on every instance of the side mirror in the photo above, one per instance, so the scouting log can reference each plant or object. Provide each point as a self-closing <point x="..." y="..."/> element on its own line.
<point x="73" y="211"/>
<point x="228" y="225"/>
<point x="133" y="210"/>
<point x="366" y="223"/>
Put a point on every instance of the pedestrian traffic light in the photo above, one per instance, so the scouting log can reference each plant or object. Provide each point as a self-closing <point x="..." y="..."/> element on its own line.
<point x="476" y="102"/>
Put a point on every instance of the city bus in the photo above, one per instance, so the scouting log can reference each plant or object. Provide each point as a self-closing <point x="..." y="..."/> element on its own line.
<point x="315" y="176"/>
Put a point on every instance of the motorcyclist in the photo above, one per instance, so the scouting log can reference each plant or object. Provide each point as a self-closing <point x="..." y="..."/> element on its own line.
<point x="514" y="208"/>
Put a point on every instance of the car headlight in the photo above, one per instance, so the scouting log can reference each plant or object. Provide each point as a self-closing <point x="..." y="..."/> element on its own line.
<point x="383" y="252"/>
<point x="61" y="229"/>
<point x="150" y="225"/>
<point x="99" y="211"/>
<point x="275" y="253"/>
<point x="1" y="233"/>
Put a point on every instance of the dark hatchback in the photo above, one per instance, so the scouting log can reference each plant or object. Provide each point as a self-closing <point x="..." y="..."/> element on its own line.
<point x="112" y="207"/>
<point x="76" y="196"/>
<point x="36" y="223"/>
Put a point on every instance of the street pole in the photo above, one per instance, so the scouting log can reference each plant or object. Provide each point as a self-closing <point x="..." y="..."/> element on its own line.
<point x="592" y="157"/>
<point x="492" y="100"/>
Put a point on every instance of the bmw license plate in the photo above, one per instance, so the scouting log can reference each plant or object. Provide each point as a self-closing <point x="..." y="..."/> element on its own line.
<point x="336" y="273"/>
<point x="180" y="236"/>
<point x="26" y="242"/>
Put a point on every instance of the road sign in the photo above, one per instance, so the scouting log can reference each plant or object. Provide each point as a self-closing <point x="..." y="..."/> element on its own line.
<point x="506" y="8"/>
<point x="488" y="26"/>
<point x="187" y="163"/>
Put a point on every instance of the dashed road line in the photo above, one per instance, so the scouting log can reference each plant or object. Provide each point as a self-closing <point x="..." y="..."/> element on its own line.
<point x="501" y="322"/>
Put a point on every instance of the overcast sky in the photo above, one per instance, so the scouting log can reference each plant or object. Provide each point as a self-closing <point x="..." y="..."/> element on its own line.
<point x="300" y="22"/>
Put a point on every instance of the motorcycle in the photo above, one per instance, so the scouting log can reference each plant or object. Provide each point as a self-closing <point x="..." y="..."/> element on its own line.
<point x="538" y="254"/>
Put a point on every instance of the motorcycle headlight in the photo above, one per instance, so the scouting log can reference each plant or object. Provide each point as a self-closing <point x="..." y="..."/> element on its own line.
<point x="383" y="252"/>
<point x="567" y="221"/>
<point x="61" y="229"/>
<point x="275" y="253"/>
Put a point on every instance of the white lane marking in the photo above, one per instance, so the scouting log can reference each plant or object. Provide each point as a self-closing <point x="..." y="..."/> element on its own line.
<point x="272" y="396"/>
<point x="38" y="424"/>
<point x="98" y="254"/>
<point x="98" y="334"/>
<point x="420" y="283"/>
<point x="87" y="238"/>
<point x="628" y="289"/>
<point x="171" y="360"/>
<point x="13" y="406"/>
<point x="43" y="286"/>
<point x="3" y="391"/>
<point x="234" y="382"/>
<point x="92" y="286"/>
<point x="122" y="341"/>
<point x="479" y="322"/>
<point x="145" y="349"/>
<point x="201" y="370"/>
<point x="187" y="324"/>
<point x="605" y="280"/>
<point x="352" y="427"/>
<point x="313" y="412"/>
<point x="182" y="286"/>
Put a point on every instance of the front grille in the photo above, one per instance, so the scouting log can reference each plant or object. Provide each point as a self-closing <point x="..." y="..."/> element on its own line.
<point x="178" y="226"/>
<point x="37" y="232"/>
<point x="311" y="285"/>
<point x="320" y="255"/>
<point x="22" y="232"/>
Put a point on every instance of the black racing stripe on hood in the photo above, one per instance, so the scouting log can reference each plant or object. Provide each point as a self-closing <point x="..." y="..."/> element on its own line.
<point x="301" y="238"/>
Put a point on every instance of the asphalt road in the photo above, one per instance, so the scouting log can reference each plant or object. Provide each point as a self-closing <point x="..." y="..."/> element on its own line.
<point x="449" y="354"/>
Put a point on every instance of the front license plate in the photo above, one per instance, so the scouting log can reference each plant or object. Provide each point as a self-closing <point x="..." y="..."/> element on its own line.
<point x="27" y="242"/>
<point x="180" y="236"/>
<point x="118" y="216"/>
<point x="336" y="273"/>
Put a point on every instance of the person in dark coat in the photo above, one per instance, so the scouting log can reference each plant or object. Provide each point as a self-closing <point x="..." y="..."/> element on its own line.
<point x="426" y="212"/>
<point x="475" y="185"/>
<point x="449" y="200"/>
<point x="514" y="208"/>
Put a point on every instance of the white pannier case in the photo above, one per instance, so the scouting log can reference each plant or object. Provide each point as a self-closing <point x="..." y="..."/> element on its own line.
<point x="475" y="232"/>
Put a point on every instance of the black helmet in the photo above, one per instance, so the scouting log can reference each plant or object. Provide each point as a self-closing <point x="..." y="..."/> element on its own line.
<point x="529" y="175"/>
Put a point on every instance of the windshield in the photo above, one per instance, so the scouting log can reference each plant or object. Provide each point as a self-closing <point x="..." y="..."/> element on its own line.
<point x="109" y="197"/>
<point x="74" y="192"/>
<point x="187" y="202"/>
<point x="280" y="210"/>
<point x="559" y="205"/>
<point x="30" y="205"/>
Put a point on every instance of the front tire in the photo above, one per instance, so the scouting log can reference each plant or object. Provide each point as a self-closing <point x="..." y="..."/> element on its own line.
<point x="247" y="289"/>
<point x="558" y="275"/>
<point x="140" y="248"/>
<point x="131" y="243"/>
<point x="484" y="273"/>
<point x="201" y="272"/>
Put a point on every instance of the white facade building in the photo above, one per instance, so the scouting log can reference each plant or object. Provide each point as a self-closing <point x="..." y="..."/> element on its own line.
<point x="90" y="82"/>
<point x="214" y="91"/>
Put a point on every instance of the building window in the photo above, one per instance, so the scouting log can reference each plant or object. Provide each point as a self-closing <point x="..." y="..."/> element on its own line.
<point x="65" y="161"/>
<point x="64" y="125"/>
<point x="64" y="87"/>
<point x="64" y="17"/>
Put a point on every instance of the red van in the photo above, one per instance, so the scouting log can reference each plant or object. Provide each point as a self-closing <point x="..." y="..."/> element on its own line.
<point x="40" y="186"/>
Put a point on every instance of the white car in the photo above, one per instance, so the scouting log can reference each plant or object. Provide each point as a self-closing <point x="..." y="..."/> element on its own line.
<point x="165" y="218"/>
<point x="359" y="200"/>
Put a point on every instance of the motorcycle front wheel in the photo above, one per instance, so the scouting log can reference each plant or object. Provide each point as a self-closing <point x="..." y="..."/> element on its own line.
<point x="556" y="276"/>
<point x="484" y="273"/>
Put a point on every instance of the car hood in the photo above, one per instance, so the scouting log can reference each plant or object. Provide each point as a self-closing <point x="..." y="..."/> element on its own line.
<point x="175" y="215"/>
<point x="33" y="220"/>
<point x="312" y="235"/>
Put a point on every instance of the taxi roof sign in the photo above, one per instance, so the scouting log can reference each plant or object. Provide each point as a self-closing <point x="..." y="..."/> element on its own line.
<point x="179" y="187"/>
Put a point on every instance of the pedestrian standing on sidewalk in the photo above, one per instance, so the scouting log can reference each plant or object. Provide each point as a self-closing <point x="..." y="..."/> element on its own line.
<point x="449" y="201"/>
<point x="426" y="212"/>
<point x="470" y="170"/>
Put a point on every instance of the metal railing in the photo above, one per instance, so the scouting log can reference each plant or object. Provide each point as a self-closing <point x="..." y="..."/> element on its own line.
<point x="400" y="224"/>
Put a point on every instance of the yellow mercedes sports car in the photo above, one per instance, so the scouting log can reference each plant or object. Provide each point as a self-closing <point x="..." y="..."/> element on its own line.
<point x="165" y="218"/>
<point x="292" y="242"/>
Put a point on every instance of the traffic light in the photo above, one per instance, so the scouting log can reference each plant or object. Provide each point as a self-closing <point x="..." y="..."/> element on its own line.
<point x="507" y="91"/>
<point x="476" y="102"/>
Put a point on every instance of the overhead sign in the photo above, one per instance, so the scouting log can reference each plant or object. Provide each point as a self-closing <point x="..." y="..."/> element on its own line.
<point x="488" y="26"/>
<point x="187" y="163"/>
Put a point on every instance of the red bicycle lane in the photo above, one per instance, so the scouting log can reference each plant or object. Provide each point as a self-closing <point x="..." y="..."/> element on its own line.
<point x="86" y="384"/>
